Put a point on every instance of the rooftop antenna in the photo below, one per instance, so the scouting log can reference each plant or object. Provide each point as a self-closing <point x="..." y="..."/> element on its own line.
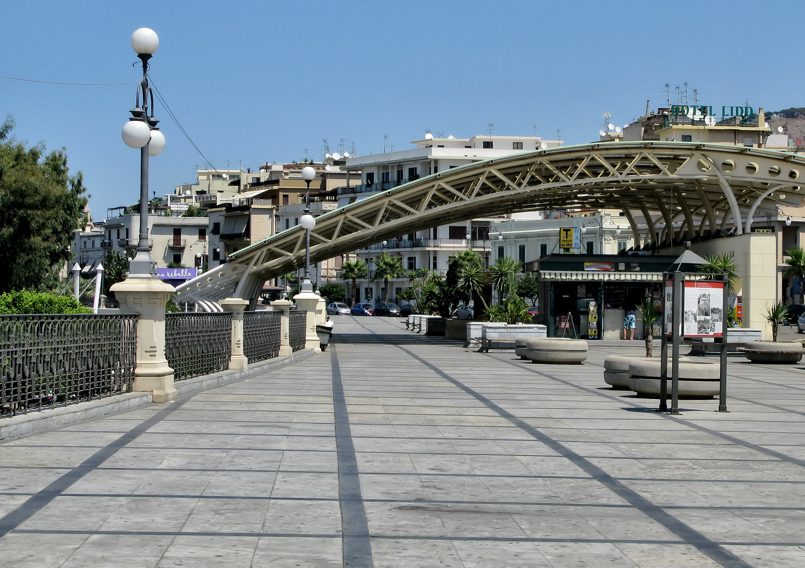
<point x="685" y="93"/>
<point x="490" y="127"/>
<point x="304" y="150"/>
<point x="678" y="95"/>
<point x="385" y="141"/>
<point x="326" y="146"/>
<point x="695" y="96"/>
<point x="341" y="145"/>
<point x="668" y="94"/>
<point x="606" y="116"/>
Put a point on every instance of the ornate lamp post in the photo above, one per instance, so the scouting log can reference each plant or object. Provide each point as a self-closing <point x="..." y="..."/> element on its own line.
<point x="141" y="132"/>
<point x="308" y="222"/>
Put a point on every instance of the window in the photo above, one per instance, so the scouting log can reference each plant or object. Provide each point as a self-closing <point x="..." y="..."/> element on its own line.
<point x="411" y="263"/>
<point x="517" y="145"/>
<point x="216" y="254"/>
<point x="216" y="229"/>
<point x="457" y="232"/>
<point x="435" y="233"/>
<point x="488" y="144"/>
<point x="285" y="199"/>
<point x="621" y="245"/>
<point x="748" y="142"/>
<point x="521" y="255"/>
<point x="543" y="250"/>
<point x="687" y="138"/>
<point x="412" y="174"/>
<point x="287" y="223"/>
<point x="399" y="175"/>
<point x="370" y="178"/>
<point x="435" y="262"/>
<point x="177" y="237"/>
<point x="202" y="234"/>
<point x="501" y="253"/>
<point x="177" y="258"/>
<point x="589" y="245"/>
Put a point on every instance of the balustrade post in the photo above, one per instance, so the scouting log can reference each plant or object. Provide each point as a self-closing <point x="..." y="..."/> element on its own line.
<point x="313" y="304"/>
<point x="237" y="361"/>
<point x="285" y="326"/>
<point x="147" y="297"/>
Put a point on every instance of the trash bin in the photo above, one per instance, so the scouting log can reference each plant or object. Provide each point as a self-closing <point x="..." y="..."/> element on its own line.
<point x="324" y="332"/>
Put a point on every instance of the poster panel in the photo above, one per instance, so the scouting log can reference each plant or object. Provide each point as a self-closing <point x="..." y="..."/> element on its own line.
<point x="703" y="314"/>
<point x="667" y="306"/>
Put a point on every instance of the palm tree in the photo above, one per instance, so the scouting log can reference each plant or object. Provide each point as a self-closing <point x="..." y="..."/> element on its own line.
<point x="354" y="269"/>
<point x="504" y="273"/>
<point x="722" y="264"/>
<point x="776" y="314"/>
<point x="650" y="314"/>
<point x="387" y="266"/>
<point x="796" y="268"/>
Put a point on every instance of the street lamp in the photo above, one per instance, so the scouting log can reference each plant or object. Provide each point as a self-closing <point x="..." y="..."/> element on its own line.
<point x="141" y="132"/>
<point x="308" y="222"/>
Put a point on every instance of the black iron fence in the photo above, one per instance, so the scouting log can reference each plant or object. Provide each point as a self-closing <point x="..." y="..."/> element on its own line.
<point x="56" y="360"/>
<point x="197" y="343"/>
<point x="261" y="335"/>
<point x="296" y="335"/>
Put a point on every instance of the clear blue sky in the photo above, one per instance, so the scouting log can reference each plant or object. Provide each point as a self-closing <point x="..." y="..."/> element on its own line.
<point x="257" y="81"/>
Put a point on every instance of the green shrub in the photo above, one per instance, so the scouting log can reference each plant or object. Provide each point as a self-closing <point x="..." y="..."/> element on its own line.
<point x="27" y="302"/>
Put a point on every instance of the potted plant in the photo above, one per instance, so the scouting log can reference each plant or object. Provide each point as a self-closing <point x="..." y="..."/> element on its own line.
<point x="776" y="315"/>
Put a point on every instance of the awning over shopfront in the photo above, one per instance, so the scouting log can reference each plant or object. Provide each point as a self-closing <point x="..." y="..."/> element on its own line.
<point x="580" y="275"/>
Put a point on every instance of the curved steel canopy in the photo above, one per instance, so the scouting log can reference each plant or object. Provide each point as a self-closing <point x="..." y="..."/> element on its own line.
<point x="680" y="190"/>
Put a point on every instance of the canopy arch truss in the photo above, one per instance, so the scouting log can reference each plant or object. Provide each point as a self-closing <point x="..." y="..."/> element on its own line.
<point x="678" y="190"/>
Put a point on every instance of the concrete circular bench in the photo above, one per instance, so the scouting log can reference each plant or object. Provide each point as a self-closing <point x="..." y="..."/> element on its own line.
<point x="557" y="350"/>
<point x="616" y="370"/>
<point x="697" y="378"/>
<point x="774" y="351"/>
<point x="520" y="347"/>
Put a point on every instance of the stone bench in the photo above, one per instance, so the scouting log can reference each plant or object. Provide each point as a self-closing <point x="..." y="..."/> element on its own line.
<point x="698" y="378"/>
<point x="520" y="347"/>
<point x="737" y="337"/>
<point x="503" y="336"/>
<point x="616" y="370"/>
<point x="774" y="352"/>
<point x="557" y="350"/>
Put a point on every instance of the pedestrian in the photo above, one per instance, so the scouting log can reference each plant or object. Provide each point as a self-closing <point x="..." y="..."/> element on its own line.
<point x="629" y="324"/>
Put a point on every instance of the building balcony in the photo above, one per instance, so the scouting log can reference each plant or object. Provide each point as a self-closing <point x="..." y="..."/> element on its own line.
<point x="132" y="243"/>
<point x="177" y="243"/>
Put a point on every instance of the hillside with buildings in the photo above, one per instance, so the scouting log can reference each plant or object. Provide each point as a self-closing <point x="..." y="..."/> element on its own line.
<point x="792" y="121"/>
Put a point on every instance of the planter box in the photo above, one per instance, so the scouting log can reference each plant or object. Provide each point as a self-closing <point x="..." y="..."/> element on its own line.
<point x="474" y="329"/>
<point x="456" y="329"/>
<point x="497" y="336"/>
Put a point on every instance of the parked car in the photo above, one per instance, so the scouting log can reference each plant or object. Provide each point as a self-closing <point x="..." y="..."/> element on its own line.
<point x="387" y="309"/>
<point x="464" y="312"/>
<point x="406" y="310"/>
<point x="337" y="309"/>
<point x="801" y="323"/>
<point x="362" y="310"/>
<point x="794" y="312"/>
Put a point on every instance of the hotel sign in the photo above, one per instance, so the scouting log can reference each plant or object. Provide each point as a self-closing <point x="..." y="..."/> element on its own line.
<point x="569" y="238"/>
<point x="705" y="110"/>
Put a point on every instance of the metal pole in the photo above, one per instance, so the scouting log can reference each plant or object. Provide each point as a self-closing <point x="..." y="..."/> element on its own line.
<point x="677" y="322"/>
<point x="663" y="372"/>
<point x="722" y="375"/>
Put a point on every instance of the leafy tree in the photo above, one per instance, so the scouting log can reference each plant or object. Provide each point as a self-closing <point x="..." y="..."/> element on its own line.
<point x="387" y="266"/>
<point x="796" y="268"/>
<point x="528" y="287"/>
<point x="333" y="292"/>
<point x="40" y="207"/>
<point x="512" y="310"/>
<point x="115" y="269"/>
<point x="194" y="211"/>
<point x="353" y="270"/>
<point x="472" y="278"/>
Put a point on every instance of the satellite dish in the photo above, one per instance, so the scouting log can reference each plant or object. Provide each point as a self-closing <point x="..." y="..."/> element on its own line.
<point x="187" y="192"/>
<point x="602" y="133"/>
<point x="610" y="126"/>
<point x="543" y="146"/>
<point x="336" y="156"/>
<point x="780" y="129"/>
<point x="618" y="129"/>
<point x="428" y="136"/>
<point x="451" y="137"/>
<point x="346" y="155"/>
<point x="710" y="120"/>
<point x="327" y="156"/>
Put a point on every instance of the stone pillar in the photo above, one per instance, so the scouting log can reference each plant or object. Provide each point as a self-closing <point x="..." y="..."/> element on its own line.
<point x="311" y="303"/>
<point x="147" y="297"/>
<point x="285" y="326"/>
<point x="237" y="361"/>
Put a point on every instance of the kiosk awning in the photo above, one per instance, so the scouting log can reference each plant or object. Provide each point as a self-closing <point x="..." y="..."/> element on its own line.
<point x="592" y="276"/>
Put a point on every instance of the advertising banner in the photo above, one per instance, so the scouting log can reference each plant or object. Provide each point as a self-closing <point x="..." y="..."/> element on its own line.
<point x="703" y="314"/>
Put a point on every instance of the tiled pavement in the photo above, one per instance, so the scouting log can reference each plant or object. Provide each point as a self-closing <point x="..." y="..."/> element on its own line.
<point x="395" y="450"/>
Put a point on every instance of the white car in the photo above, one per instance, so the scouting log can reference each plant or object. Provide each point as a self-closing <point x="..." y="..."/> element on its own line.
<point x="337" y="309"/>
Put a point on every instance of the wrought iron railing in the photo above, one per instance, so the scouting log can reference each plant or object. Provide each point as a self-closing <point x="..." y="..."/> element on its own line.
<point x="56" y="360"/>
<point x="261" y="335"/>
<point x="197" y="343"/>
<point x="296" y="335"/>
